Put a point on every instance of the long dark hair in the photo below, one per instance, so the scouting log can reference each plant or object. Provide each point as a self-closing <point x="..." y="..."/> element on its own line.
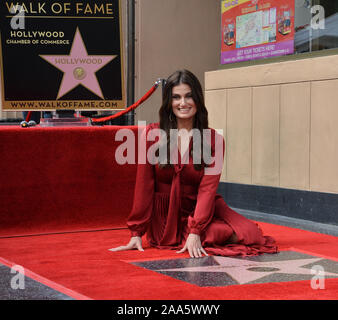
<point x="168" y="119"/>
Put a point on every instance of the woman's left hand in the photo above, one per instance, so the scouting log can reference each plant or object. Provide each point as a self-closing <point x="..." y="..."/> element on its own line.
<point x="194" y="246"/>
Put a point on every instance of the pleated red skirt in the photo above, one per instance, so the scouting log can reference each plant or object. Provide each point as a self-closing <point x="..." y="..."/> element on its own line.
<point x="218" y="235"/>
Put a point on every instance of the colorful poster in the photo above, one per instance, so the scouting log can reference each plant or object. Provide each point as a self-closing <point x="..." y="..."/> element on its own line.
<point x="61" y="55"/>
<point x="256" y="29"/>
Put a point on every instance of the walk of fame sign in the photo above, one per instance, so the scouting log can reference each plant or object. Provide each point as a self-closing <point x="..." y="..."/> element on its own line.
<point x="214" y="271"/>
<point x="66" y="55"/>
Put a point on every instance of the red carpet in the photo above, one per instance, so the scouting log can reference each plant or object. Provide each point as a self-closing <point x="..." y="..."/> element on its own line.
<point x="81" y="262"/>
<point x="57" y="180"/>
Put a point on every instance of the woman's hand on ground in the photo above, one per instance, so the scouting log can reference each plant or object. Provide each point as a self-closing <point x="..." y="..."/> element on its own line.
<point x="194" y="246"/>
<point x="134" y="243"/>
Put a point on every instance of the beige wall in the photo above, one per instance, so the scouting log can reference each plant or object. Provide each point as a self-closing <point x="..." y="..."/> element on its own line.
<point x="170" y="35"/>
<point x="280" y="122"/>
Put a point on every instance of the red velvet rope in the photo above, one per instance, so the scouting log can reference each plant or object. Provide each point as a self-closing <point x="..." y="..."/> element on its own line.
<point x="119" y="114"/>
<point x="29" y="115"/>
<point x="132" y="107"/>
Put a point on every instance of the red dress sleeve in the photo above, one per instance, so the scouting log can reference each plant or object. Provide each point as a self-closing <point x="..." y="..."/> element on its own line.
<point x="141" y="212"/>
<point x="204" y="209"/>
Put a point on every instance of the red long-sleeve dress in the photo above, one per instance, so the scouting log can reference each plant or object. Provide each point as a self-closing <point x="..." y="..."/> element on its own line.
<point x="170" y="203"/>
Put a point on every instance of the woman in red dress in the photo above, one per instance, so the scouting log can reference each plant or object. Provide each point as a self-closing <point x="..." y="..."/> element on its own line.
<point x="176" y="202"/>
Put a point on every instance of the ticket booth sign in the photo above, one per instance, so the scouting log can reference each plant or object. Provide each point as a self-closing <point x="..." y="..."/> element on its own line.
<point x="256" y="29"/>
<point x="61" y="55"/>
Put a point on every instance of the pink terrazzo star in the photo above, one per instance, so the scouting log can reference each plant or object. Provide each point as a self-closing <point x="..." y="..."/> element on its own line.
<point x="79" y="67"/>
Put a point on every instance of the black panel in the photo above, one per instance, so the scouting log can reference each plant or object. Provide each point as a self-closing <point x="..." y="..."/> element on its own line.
<point x="307" y="205"/>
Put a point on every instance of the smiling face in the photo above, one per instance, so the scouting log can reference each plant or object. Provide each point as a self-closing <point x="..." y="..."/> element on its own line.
<point x="183" y="104"/>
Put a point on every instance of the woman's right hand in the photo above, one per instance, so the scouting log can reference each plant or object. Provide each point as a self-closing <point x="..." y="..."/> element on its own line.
<point x="134" y="243"/>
